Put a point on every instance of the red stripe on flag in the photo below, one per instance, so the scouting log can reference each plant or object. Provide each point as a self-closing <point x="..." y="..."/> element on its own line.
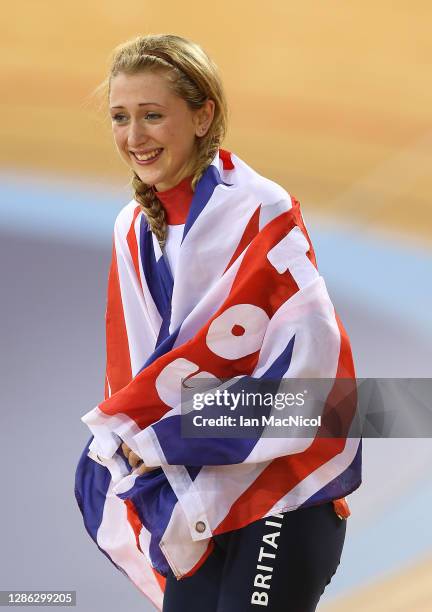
<point x="280" y="477"/>
<point x="341" y="508"/>
<point x="299" y="221"/>
<point x="133" y="520"/>
<point x="227" y="162"/>
<point x="133" y="245"/>
<point x="118" y="366"/>
<point x="345" y="364"/>
<point x="161" y="579"/>
<point x="251" y="230"/>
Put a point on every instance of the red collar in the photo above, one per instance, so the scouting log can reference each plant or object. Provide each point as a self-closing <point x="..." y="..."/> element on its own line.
<point x="177" y="201"/>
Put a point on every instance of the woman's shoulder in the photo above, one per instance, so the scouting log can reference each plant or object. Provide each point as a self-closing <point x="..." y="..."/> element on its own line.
<point x="127" y="217"/>
<point x="268" y="191"/>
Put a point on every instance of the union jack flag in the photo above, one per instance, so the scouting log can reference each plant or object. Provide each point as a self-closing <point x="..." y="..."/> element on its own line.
<point x="245" y="299"/>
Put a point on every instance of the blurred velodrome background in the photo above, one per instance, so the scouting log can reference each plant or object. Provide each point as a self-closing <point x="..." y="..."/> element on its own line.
<point x="332" y="100"/>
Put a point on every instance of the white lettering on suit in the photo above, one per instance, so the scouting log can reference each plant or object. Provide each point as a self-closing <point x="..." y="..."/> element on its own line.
<point x="262" y="580"/>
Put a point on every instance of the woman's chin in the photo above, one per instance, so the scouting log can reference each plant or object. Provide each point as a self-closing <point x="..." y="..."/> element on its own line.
<point x="148" y="177"/>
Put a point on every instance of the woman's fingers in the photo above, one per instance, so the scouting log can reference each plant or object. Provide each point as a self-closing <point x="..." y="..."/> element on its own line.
<point x="130" y="455"/>
<point x="126" y="450"/>
<point x="134" y="459"/>
<point x="143" y="469"/>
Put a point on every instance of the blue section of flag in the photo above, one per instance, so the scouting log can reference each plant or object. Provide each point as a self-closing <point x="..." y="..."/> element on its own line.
<point x="154" y="501"/>
<point x="203" y="192"/>
<point x="158" y="278"/>
<point x="164" y="347"/>
<point x="344" y="484"/>
<point x="91" y="485"/>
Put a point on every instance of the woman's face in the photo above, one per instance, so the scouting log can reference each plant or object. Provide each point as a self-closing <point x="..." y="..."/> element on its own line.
<point x="154" y="129"/>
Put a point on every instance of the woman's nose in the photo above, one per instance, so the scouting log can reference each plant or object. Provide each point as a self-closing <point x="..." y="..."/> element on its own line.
<point x="137" y="133"/>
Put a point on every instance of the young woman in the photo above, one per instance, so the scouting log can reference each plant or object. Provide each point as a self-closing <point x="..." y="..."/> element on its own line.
<point x="213" y="277"/>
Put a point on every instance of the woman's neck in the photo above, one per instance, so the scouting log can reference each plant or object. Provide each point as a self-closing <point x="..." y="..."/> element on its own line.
<point x="176" y="201"/>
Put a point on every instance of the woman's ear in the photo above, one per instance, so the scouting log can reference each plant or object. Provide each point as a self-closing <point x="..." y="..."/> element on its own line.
<point x="204" y="117"/>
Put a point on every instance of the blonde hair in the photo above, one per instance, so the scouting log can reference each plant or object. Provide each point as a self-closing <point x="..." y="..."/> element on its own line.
<point x="193" y="76"/>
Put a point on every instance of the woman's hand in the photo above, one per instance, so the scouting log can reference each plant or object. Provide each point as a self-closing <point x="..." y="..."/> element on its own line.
<point x="134" y="460"/>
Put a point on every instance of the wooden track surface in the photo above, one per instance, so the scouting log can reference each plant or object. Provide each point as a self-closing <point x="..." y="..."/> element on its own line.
<point x="407" y="591"/>
<point x="330" y="99"/>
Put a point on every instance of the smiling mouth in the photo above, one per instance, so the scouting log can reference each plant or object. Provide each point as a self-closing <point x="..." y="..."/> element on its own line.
<point x="146" y="157"/>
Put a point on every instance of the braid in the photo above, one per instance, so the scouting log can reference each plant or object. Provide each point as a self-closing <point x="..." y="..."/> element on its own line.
<point x="204" y="159"/>
<point x="151" y="207"/>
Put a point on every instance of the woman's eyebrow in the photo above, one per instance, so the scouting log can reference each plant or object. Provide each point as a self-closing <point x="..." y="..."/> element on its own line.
<point x="142" y="104"/>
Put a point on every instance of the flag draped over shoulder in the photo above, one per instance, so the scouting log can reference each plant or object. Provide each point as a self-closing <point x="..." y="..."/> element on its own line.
<point x="245" y="299"/>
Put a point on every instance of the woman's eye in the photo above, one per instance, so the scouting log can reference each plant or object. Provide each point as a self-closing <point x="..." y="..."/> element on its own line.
<point x="118" y="118"/>
<point x="153" y="116"/>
